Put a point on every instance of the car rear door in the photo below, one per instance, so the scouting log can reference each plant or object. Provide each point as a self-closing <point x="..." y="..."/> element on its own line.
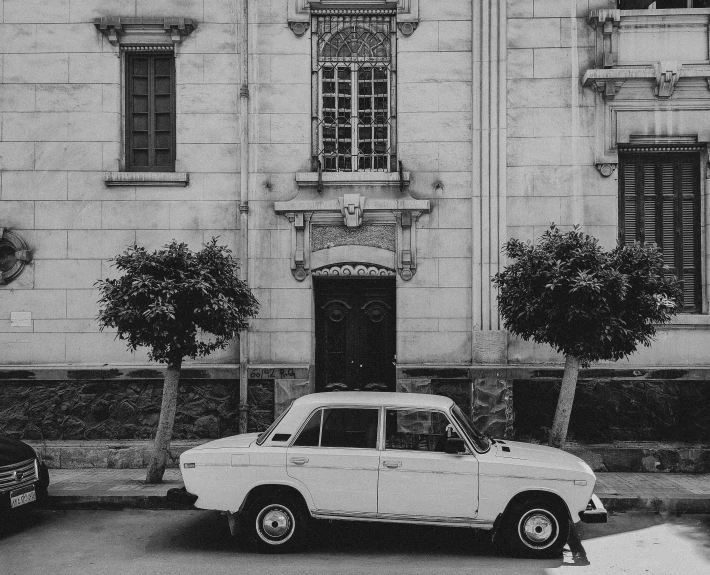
<point x="418" y="479"/>
<point x="335" y="456"/>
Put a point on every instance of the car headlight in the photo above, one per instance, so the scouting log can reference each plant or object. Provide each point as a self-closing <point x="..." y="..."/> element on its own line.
<point x="38" y="455"/>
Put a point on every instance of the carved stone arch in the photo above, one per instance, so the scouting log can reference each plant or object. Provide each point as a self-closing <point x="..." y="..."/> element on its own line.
<point x="354" y="270"/>
<point x="14" y="256"/>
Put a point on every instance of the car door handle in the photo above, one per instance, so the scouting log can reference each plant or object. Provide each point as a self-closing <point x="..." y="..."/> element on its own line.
<point x="299" y="460"/>
<point x="392" y="464"/>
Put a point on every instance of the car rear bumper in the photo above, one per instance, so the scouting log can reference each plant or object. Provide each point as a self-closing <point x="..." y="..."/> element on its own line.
<point x="595" y="511"/>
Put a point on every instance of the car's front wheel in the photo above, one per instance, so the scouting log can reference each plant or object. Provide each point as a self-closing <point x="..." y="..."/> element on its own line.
<point x="535" y="528"/>
<point x="276" y="524"/>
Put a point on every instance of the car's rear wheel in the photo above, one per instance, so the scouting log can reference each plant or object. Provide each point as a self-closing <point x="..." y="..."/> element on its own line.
<point x="535" y="528"/>
<point x="276" y="524"/>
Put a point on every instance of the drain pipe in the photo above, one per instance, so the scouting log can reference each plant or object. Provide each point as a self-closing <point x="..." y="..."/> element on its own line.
<point x="242" y="30"/>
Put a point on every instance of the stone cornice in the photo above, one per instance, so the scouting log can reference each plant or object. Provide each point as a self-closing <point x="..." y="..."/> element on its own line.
<point x="406" y="11"/>
<point x="122" y="30"/>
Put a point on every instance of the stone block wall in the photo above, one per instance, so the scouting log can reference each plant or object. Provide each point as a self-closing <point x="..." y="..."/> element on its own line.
<point x="60" y="111"/>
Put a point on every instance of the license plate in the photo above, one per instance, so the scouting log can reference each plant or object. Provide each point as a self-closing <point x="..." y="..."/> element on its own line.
<point x="22" y="496"/>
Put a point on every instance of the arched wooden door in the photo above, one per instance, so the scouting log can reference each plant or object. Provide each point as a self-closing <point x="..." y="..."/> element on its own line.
<point x="355" y="333"/>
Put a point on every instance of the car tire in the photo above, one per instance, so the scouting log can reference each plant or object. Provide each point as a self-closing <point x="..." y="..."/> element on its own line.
<point x="276" y="524"/>
<point x="535" y="528"/>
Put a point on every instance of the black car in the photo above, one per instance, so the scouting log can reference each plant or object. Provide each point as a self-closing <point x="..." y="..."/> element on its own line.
<point x="24" y="478"/>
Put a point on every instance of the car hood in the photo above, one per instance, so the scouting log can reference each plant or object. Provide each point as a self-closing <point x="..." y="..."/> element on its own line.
<point x="540" y="453"/>
<point x="14" y="451"/>
<point x="242" y="440"/>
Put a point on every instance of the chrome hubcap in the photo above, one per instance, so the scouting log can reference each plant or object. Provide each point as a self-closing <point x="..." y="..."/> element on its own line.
<point x="538" y="529"/>
<point x="275" y="523"/>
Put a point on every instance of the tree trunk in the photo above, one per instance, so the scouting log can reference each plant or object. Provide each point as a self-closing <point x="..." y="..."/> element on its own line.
<point x="558" y="434"/>
<point x="161" y="449"/>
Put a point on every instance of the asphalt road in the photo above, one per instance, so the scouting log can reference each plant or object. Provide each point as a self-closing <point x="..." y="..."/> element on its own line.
<point x="195" y="542"/>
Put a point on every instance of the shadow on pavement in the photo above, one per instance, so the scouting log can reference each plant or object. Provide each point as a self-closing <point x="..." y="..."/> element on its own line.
<point x="16" y="523"/>
<point x="208" y="532"/>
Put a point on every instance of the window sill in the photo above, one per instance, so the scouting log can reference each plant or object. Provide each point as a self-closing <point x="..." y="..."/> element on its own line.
<point x="688" y="321"/>
<point x="310" y="179"/>
<point x="176" y="179"/>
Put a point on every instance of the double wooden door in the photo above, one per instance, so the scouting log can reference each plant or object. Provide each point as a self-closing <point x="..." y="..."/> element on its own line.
<point x="355" y="334"/>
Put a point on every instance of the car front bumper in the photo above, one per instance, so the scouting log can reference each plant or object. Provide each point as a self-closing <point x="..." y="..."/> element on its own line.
<point x="595" y="511"/>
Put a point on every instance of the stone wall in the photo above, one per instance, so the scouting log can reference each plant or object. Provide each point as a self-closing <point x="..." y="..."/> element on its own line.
<point x="607" y="410"/>
<point x="123" y="410"/>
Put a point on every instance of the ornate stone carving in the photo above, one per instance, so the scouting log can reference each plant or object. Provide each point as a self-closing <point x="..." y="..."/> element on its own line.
<point x="353" y="270"/>
<point x="299" y="12"/>
<point x="299" y="28"/>
<point x="14" y="256"/>
<point x="401" y="213"/>
<point x="667" y="74"/>
<point x="606" y="170"/>
<point x="352" y="207"/>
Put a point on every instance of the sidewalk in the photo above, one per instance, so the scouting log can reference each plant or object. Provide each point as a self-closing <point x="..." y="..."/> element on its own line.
<point x="124" y="488"/>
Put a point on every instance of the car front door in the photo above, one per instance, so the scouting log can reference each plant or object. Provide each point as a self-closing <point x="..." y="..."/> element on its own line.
<point x="418" y="479"/>
<point x="335" y="456"/>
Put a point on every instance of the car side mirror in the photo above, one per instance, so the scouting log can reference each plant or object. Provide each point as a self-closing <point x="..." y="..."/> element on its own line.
<point x="455" y="446"/>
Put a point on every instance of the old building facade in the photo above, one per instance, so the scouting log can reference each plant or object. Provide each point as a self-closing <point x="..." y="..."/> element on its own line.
<point x="366" y="161"/>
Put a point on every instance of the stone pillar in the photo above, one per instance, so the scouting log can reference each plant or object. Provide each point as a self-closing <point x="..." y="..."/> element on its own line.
<point x="488" y="175"/>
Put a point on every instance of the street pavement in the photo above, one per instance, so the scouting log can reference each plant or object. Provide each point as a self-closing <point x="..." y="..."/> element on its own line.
<point x="142" y="542"/>
<point x="125" y="488"/>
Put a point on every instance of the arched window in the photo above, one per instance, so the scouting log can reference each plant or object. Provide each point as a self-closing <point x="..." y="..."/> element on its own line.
<point x="354" y="76"/>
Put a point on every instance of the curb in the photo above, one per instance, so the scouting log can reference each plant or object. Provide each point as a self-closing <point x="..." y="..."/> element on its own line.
<point x="686" y="504"/>
<point x="112" y="502"/>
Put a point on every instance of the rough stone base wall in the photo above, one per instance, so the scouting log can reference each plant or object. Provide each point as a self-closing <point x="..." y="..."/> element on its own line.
<point x="610" y="409"/>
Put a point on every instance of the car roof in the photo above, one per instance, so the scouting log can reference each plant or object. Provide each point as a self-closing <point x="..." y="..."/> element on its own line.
<point x="375" y="398"/>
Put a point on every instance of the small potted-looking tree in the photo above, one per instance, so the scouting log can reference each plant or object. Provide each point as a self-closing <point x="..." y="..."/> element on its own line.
<point x="177" y="303"/>
<point x="587" y="303"/>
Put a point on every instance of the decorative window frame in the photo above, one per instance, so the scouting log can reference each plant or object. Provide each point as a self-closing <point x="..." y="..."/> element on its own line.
<point x="353" y="211"/>
<point x="407" y="12"/>
<point x="159" y="34"/>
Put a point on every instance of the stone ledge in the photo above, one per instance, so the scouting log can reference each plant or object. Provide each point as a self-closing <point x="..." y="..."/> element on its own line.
<point x="102" y="454"/>
<point x="162" y="179"/>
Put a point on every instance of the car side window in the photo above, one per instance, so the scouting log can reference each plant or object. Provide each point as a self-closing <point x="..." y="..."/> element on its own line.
<point x="342" y="427"/>
<point x="310" y="434"/>
<point x="350" y="427"/>
<point x="417" y="430"/>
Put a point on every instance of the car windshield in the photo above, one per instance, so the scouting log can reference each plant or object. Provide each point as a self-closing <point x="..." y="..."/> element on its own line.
<point x="265" y="434"/>
<point x="481" y="441"/>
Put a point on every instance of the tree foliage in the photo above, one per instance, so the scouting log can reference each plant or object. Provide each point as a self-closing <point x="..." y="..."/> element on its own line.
<point x="592" y="304"/>
<point x="166" y="300"/>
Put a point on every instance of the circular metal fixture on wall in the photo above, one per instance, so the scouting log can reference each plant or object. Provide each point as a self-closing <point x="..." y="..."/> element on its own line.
<point x="14" y="256"/>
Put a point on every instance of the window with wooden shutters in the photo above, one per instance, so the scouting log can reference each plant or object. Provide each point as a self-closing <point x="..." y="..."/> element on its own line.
<point x="150" y="112"/>
<point x="659" y="202"/>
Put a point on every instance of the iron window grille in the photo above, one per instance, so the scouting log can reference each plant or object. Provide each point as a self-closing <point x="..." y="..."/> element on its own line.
<point x="150" y="110"/>
<point x="354" y="87"/>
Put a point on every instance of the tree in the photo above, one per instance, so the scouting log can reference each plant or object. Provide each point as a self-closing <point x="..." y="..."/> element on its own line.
<point x="587" y="303"/>
<point x="178" y="304"/>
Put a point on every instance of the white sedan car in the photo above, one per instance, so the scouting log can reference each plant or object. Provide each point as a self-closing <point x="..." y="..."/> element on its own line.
<point x="389" y="457"/>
